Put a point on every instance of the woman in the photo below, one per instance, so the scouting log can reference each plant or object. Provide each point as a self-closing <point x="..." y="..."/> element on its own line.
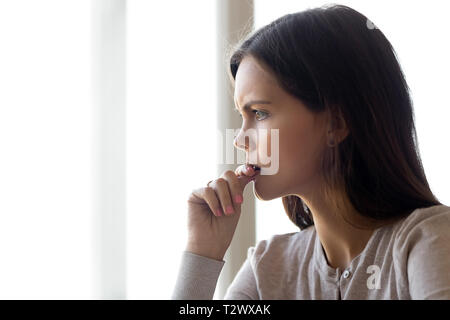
<point x="350" y="174"/>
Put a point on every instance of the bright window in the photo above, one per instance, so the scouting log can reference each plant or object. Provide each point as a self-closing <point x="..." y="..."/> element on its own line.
<point x="171" y="142"/>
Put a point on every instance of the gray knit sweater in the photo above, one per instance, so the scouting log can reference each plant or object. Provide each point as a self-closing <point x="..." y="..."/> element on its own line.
<point x="409" y="259"/>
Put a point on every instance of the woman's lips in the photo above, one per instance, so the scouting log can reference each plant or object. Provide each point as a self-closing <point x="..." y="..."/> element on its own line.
<point x="256" y="172"/>
<point x="253" y="166"/>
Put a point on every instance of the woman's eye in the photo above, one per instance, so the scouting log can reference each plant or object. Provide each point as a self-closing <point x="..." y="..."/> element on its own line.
<point x="256" y="112"/>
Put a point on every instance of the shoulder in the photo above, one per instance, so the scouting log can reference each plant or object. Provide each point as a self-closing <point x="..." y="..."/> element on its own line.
<point x="280" y="246"/>
<point x="423" y="223"/>
<point x="427" y="219"/>
<point x="422" y="251"/>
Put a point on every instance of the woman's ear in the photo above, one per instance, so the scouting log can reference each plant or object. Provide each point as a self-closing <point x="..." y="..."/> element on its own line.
<point x="337" y="130"/>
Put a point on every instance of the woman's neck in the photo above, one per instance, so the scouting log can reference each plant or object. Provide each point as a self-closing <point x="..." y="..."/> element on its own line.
<point x="341" y="240"/>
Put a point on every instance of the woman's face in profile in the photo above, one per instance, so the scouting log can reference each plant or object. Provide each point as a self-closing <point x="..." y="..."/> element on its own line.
<point x="301" y="133"/>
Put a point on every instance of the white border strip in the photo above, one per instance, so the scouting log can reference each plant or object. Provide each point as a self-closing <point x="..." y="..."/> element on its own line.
<point x="109" y="176"/>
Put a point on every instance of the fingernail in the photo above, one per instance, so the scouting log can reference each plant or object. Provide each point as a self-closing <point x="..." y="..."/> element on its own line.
<point x="238" y="198"/>
<point x="230" y="209"/>
<point x="219" y="212"/>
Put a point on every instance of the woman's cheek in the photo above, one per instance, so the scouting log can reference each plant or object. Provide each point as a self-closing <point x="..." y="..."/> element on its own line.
<point x="295" y="151"/>
<point x="270" y="140"/>
<point x="267" y="149"/>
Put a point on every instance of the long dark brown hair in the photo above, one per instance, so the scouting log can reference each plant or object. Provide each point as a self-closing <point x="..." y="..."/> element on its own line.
<point x="337" y="61"/>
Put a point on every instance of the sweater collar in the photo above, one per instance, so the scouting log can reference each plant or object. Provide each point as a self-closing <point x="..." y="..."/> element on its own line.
<point x="322" y="265"/>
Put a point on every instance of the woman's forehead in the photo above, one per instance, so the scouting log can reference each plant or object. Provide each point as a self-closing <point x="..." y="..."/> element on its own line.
<point x="250" y="70"/>
<point x="253" y="82"/>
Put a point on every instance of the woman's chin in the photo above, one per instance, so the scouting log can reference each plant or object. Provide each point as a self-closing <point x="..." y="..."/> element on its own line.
<point x="260" y="189"/>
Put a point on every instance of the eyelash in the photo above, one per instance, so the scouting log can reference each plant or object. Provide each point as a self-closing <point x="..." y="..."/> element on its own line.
<point x="254" y="111"/>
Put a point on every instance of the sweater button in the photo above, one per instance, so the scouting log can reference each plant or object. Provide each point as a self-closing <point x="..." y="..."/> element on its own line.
<point x="346" y="274"/>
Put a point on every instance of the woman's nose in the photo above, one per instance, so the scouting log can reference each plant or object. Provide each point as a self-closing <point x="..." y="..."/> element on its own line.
<point x="245" y="140"/>
<point x="239" y="145"/>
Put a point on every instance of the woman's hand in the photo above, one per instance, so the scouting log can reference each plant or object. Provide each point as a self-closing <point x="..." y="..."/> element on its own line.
<point x="214" y="211"/>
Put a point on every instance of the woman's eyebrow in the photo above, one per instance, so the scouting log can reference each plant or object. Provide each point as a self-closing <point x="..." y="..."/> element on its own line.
<point x="252" y="102"/>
